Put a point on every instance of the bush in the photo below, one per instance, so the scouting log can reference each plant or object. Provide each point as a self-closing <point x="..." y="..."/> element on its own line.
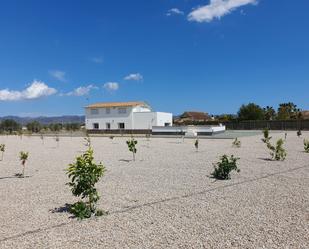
<point x="223" y="169"/>
<point x="306" y="145"/>
<point x="236" y="143"/>
<point x="277" y="152"/>
<point x="132" y="146"/>
<point x="84" y="174"/>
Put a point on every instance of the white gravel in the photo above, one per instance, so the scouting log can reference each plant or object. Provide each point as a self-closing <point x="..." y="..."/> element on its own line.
<point x="165" y="199"/>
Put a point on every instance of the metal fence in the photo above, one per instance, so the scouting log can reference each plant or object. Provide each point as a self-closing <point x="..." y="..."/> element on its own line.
<point x="272" y="125"/>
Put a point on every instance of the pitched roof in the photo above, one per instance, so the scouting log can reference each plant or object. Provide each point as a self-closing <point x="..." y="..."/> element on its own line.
<point x="195" y="115"/>
<point x="116" y="104"/>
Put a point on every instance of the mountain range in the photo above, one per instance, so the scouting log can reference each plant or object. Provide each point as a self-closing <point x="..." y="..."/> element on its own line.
<point x="47" y="120"/>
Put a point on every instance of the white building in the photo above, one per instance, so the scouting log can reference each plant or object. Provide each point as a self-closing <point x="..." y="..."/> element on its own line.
<point x="125" y="116"/>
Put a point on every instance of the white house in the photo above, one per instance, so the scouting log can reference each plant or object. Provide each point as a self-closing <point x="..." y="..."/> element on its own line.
<point x="125" y="116"/>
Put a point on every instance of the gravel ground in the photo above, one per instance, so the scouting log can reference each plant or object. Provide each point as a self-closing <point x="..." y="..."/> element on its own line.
<point x="165" y="199"/>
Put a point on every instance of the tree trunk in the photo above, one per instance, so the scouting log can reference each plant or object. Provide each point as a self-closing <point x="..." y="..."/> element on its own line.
<point x="23" y="174"/>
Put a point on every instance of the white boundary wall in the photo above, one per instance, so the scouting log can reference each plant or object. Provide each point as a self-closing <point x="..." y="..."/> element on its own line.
<point x="189" y="130"/>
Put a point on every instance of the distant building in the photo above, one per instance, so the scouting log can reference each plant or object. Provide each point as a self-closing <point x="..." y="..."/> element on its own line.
<point x="305" y="115"/>
<point x="125" y="116"/>
<point x="192" y="117"/>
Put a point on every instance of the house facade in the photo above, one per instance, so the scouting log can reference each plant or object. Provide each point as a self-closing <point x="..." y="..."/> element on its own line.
<point x="125" y="116"/>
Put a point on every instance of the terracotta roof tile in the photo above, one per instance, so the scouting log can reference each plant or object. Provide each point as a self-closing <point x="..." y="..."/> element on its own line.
<point x="116" y="104"/>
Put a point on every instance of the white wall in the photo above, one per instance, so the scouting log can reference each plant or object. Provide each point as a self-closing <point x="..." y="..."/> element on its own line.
<point x="145" y="120"/>
<point x="164" y="117"/>
<point x="113" y="118"/>
<point x="138" y="117"/>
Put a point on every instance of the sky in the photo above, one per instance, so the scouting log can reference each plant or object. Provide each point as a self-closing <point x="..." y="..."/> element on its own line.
<point x="57" y="56"/>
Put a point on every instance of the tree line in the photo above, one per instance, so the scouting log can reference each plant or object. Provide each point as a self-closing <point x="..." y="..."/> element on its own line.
<point x="252" y="111"/>
<point x="10" y="125"/>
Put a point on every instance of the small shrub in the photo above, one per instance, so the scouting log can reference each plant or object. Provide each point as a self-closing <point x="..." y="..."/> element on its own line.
<point x="236" y="143"/>
<point x="23" y="156"/>
<point x="223" y="169"/>
<point x="299" y="133"/>
<point x="266" y="138"/>
<point x="132" y="146"/>
<point x="2" y="150"/>
<point x="306" y="145"/>
<point x="84" y="174"/>
<point x="196" y="143"/>
<point x="277" y="152"/>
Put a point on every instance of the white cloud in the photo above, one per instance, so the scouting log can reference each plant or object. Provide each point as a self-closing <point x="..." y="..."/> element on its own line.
<point x="35" y="90"/>
<point x="97" y="60"/>
<point x="81" y="91"/>
<point x="134" y="76"/>
<point x="111" y="86"/>
<point x="57" y="74"/>
<point x="174" y="11"/>
<point x="217" y="9"/>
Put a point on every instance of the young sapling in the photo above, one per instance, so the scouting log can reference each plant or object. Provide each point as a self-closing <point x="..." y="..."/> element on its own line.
<point x="87" y="141"/>
<point x="236" y="143"/>
<point x="57" y="139"/>
<point x="42" y="138"/>
<point x="277" y="152"/>
<point x="132" y="146"/>
<point x="266" y="138"/>
<point x="2" y="150"/>
<point x="83" y="175"/>
<point x="196" y="143"/>
<point x="23" y="156"/>
<point x="223" y="168"/>
<point x="306" y="145"/>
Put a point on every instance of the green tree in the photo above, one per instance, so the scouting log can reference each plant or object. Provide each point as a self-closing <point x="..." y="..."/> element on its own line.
<point x="72" y="126"/>
<point x="250" y="112"/>
<point x="55" y="127"/>
<point x="288" y="111"/>
<point x="34" y="126"/>
<point x="9" y="125"/>
<point x="269" y="113"/>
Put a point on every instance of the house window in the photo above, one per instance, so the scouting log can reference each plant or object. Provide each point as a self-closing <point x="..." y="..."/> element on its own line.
<point x="108" y="110"/>
<point x="122" y="110"/>
<point x="95" y="126"/>
<point x="121" y="126"/>
<point x="108" y="126"/>
<point x="94" y="111"/>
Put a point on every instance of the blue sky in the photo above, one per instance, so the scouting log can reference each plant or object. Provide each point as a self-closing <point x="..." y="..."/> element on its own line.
<point x="57" y="56"/>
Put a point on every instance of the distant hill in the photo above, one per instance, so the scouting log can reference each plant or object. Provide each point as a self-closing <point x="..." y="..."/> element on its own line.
<point x="47" y="120"/>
